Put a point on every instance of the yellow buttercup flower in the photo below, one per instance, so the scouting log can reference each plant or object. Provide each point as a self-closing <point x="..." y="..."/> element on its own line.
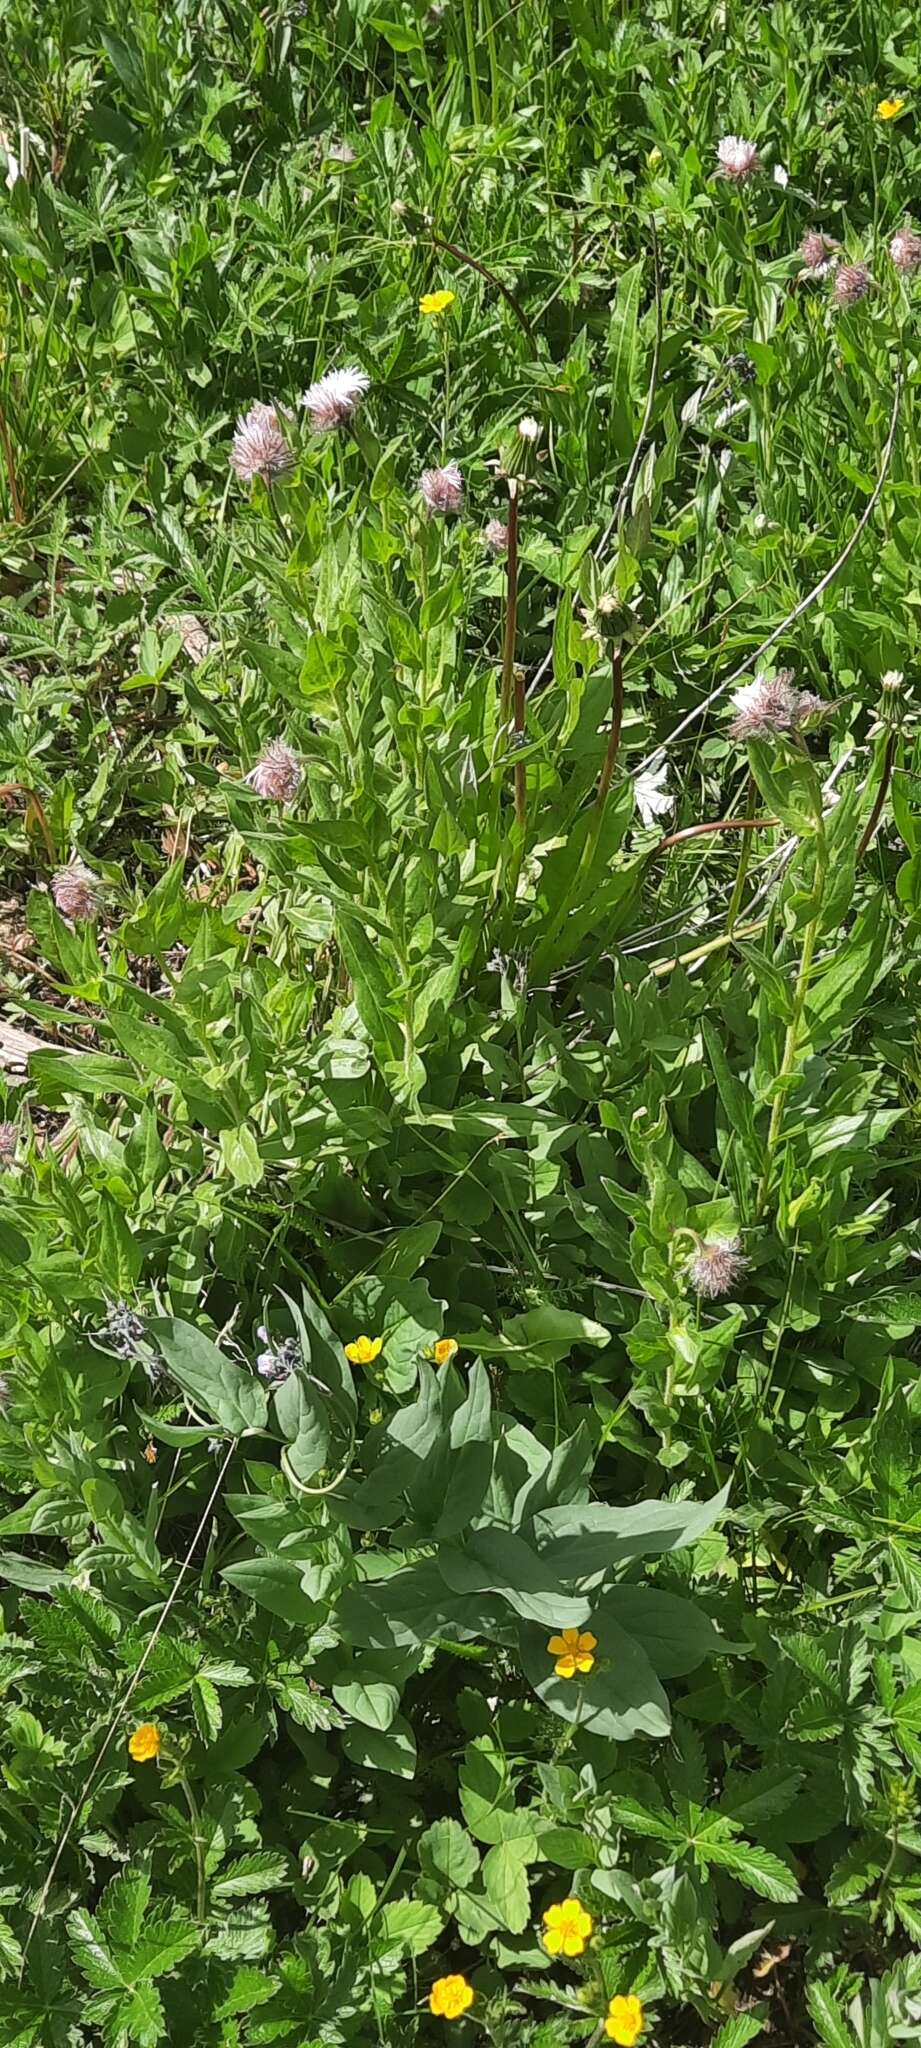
<point x="364" y="1350"/>
<point x="573" y="1651"/>
<point x="889" y="110"/>
<point x="567" y="1928"/>
<point x="145" y="1743"/>
<point x="444" y="1350"/>
<point x="436" y="302"/>
<point x="450" y="1997"/>
<point x="625" y="2021"/>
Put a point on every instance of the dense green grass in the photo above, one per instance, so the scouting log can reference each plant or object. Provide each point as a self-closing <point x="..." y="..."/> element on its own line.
<point x="478" y="1040"/>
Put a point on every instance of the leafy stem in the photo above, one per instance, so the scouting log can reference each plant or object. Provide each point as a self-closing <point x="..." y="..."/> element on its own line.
<point x="791" y="1040"/>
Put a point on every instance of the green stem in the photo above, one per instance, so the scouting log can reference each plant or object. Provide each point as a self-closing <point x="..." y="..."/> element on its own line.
<point x="735" y="901"/>
<point x="791" y="1041"/>
<point x="201" y="1887"/>
<point x="885" y="1874"/>
<point x="471" y="63"/>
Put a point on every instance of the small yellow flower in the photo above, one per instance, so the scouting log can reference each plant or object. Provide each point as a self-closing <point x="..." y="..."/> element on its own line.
<point x="436" y="302"/>
<point x="364" y="1350"/>
<point x="625" y="2021"/>
<point x="567" y="1928"/>
<point x="573" y="1651"/>
<point x="450" y="1997"/>
<point x="145" y="1743"/>
<point x="889" y="110"/>
<point x="444" y="1350"/>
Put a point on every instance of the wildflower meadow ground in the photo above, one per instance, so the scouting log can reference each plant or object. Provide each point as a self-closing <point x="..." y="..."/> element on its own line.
<point x="460" y="1528"/>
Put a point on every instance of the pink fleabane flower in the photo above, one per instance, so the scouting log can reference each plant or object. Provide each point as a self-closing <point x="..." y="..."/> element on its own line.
<point x="331" y="401"/>
<point x="736" y="158"/>
<point x="278" y="773"/>
<point x="259" y="447"/>
<point x="443" y="489"/>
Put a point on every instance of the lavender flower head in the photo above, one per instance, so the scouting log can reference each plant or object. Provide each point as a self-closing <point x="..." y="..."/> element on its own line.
<point x="278" y="773"/>
<point x="495" y="535"/>
<point x="443" y="489"/>
<point x="736" y="158"/>
<point x="259" y="447"/>
<point x="278" y="1361"/>
<point x="716" y="1265"/>
<point x="852" y="283"/>
<point x="905" y="250"/>
<point x="332" y="400"/>
<point x="75" y="890"/>
<point x="772" y="704"/>
<point x="817" y="254"/>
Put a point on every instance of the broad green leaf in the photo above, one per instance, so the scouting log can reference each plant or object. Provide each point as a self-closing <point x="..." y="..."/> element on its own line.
<point x="273" y="1583"/>
<point x="447" y="1852"/>
<point x="374" y="1704"/>
<point x="234" y="1398"/>
<point x="505" y="1879"/>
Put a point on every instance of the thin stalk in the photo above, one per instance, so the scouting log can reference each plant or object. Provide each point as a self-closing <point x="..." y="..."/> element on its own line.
<point x="473" y="263"/>
<point x="738" y="888"/>
<point x="716" y="825"/>
<point x="471" y="63"/>
<point x="201" y="1881"/>
<point x="791" y="1040"/>
<point x="617" y="719"/>
<point x="511" y="610"/>
<point x="881" y="794"/>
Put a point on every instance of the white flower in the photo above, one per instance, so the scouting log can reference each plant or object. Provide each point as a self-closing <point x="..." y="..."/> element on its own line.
<point x="332" y="400"/>
<point x="529" y="429"/>
<point x="781" y="176"/>
<point x="652" y="798"/>
<point x="736" y="158"/>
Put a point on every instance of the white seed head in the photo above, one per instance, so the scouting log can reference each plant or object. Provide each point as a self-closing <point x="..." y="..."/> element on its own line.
<point x="736" y="158"/>
<point x="892" y="681"/>
<point x="278" y="773"/>
<point x="443" y="489"/>
<point x="331" y="401"/>
<point x="259" y="447"/>
<point x="716" y="1266"/>
<point x="495" y="535"/>
<point x="529" y="429"/>
<point x="75" y="890"/>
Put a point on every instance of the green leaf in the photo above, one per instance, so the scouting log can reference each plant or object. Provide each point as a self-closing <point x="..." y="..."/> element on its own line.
<point x="91" y="1954"/>
<point x="374" y="1704"/>
<point x="406" y="1927"/>
<point x="758" y="1868"/>
<point x="505" y="1879"/>
<point x="833" y="2028"/>
<point x="273" y="1583"/>
<point x="447" y="1852"/>
<point x="542" y="1337"/>
<point x="393" y="1749"/>
<point x="233" y="1398"/>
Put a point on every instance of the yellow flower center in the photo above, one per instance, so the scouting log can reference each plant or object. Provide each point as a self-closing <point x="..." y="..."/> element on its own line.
<point x="444" y="1350"/>
<point x="145" y="1743"/>
<point x="625" y="2021"/>
<point x="450" y="1997"/>
<point x="436" y="302"/>
<point x="364" y="1350"/>
<point x="573" y="1651"/>
<point x="567" y="1928"/>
